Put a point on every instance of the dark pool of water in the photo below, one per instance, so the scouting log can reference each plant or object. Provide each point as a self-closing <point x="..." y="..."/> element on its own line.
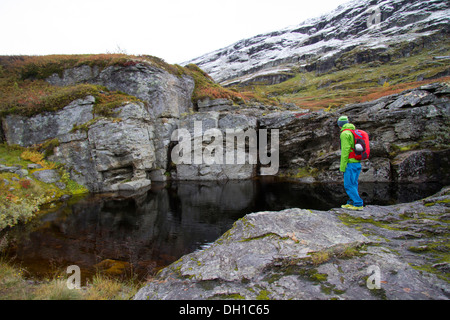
<point x="148" y="231"/>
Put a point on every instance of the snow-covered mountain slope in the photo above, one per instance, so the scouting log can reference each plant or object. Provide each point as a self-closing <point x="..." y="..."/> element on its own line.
<point x="367" y="29"/>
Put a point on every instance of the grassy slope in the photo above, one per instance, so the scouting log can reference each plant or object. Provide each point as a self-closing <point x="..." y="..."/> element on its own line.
<point x="23" y="89"/>
<point x="359" y="83"/>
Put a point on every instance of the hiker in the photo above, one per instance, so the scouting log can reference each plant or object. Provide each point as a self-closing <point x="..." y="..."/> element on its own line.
<point x="349" y="166"/>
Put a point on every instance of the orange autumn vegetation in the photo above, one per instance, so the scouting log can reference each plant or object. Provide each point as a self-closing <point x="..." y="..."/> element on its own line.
<point x="359" y="96"/>
<point x="388" y="90"/>
<point x="206" y="87"/>
<point x="24" y="90"/>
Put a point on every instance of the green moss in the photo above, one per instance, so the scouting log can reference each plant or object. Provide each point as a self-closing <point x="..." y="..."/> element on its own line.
<point x="330" y="289"/>
<point x="436" y="252"/>
<point x="263" y="295"/>
<point x="350" y="220"/>
<point x="10" y="155"/>
<point x="302" y="172"/>
<point x="404" y="148"/>
<point x="22" y="197"/>
<point x="319" y="257"/>
<point x="52" y="99"/>
<point x="85" y="126"/>
<point x="72" y="186"/>
<point x="231" y="296"/>
<point x="246" y="224"/>
<point x="349" y="253"/>
<point x="306" y="172"/>
<point x="439" y="248"/>
<point x="47" y="148"/>
<point x="107" y="102"/>
<point x="430" y="204"/>
<point x="319" y="277"/>
<point x="428" y="268"/>
<point x="312" y="275"/>
<point x="379" y="293"/>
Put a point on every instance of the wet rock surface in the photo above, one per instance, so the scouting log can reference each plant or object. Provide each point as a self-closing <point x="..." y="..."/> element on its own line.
<point x="382" y="252"/>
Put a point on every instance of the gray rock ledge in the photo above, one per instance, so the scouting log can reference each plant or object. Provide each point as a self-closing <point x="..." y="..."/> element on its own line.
<point x="308" y="254"/>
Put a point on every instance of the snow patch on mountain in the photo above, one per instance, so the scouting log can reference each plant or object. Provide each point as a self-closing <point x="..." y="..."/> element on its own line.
<point x="350" y="25"/>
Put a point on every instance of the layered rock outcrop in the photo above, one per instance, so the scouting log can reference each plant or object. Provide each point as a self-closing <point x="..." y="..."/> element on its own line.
<point x="100" y="153"/>
<point x="168" y="95"/>
<point x="129" y="149"/>
<point x="220" y="169"/>
<point x="409" y="133"/>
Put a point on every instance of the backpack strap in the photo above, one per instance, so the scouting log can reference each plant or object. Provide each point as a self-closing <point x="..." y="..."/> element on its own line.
<point x="352" y="154"/>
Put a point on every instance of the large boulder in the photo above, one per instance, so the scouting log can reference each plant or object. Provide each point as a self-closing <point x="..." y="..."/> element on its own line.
<point x="168" y="95"/>
<point x="47" y="176"/>
<point x="112" y="152"/>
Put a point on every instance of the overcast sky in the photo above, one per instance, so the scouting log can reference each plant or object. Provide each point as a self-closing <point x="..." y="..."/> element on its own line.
<point x="174" y="30"/>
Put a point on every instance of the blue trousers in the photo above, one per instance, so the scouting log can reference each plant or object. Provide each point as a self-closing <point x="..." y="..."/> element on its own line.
<point x="351" y="176"/>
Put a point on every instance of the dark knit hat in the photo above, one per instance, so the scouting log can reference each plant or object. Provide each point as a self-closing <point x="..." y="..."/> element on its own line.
<point x="342" y="120"/>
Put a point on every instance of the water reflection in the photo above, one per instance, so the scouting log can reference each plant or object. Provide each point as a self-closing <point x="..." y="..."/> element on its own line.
<point x="148" y="231"/>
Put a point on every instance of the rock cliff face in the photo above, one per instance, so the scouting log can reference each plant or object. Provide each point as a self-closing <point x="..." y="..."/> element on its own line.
<point x="409" y="133"/>
<point x="356" y="32"/>
<point x="167" y="95"/>
<point x="111" y="153"/>
<point x="103" y="153"/>
<point x="392" y="252"/>
<point x="219" y="170"/>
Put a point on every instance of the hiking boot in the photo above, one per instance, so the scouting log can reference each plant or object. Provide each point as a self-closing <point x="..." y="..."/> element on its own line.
<point x="352" y="207"/>
<point x="346" y="206"/>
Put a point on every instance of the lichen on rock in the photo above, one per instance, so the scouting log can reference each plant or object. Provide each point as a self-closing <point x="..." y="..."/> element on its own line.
<point x="310" y="254"/>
